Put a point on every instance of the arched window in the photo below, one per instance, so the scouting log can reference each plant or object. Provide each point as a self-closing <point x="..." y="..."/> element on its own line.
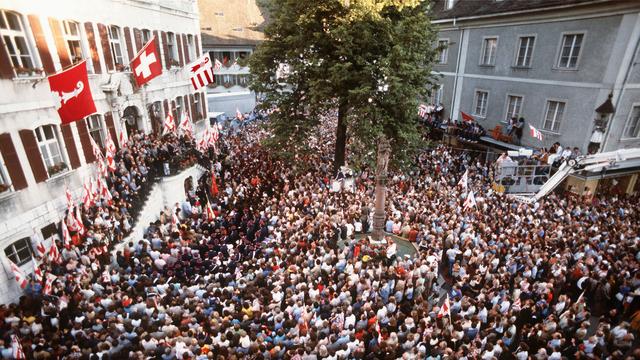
<point x="15" y="39"/>
<point x="50" y="149"/>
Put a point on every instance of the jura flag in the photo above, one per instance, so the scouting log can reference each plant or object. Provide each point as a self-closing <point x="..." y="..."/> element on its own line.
<point x="71" y="93"/>
<point x="535" y="133"/>
<point x="217" y="66"/>
<point x="470" y="201"/>
<point x="422" y="110"/>
<point x="16" y="348"/>
<point x="21" y="278"/>
<point x="201" y="72"/>
<point x="464" y="180"/>
<point x="146" y="65"/>
<point x="445" y="309"/>
<point x="169" y="125"/>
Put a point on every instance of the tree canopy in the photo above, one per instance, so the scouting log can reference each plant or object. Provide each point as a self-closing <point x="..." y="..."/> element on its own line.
<point x="370" y="60"/>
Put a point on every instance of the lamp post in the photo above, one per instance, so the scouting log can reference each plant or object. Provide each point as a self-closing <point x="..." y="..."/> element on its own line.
<point x="384" y="151"/>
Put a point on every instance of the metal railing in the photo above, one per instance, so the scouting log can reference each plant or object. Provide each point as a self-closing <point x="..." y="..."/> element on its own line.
<point x="522" y="178"/>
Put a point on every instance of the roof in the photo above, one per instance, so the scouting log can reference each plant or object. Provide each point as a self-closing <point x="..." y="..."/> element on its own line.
<point x="465" y="8"/>
<point x="231" y="22"/>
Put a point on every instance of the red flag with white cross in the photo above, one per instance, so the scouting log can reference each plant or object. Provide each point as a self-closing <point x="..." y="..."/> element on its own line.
<point x="146" y="64"/>
<point x="71" y="93"/>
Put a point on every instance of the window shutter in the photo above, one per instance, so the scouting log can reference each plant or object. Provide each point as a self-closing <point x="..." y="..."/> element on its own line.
<point x="137" y="36"/>
<point x="56" y="29"/>
<point x="108" y="119"/>
<point x="83" y="132"/>
<point x="179" y="45"/>
<point x="70" y="143"/>
<point x="185" y="46"/>
<point x="6" y="68"/>
<point x="186" y="106"/>
<point x="161" y="47"/>
<point x="33" y="154"/>
<point x="194" y="113"/>
<point x="12" y="162"/>
<point x="166" y="110"/>
<point x="91" y="39"/>
<point x="197" y="41"/>
<point x="106" y="49"/>
<point x="127" y="39"/>
<point x="174" y="113"/>
<point x="41" y="44"/>
<point x="203" y="104"/>
<point x="165" y="48"/>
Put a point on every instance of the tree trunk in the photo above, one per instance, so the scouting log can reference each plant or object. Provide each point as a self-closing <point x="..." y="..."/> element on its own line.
<point x="341" y="137"/>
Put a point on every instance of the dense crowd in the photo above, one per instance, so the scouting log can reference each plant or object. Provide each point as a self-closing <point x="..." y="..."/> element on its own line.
<point x="275" y="269"/>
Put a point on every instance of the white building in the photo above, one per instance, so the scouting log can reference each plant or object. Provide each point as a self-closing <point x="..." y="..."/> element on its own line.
<point x="231" y="29"/>
<point x="39" y="157"/>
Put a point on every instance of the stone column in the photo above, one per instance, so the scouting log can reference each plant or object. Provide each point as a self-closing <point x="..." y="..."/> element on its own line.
<point x="384" y="151"/>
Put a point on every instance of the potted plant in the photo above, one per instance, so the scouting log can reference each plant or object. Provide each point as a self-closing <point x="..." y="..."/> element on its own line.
<point x="57" y="168"/>
<point x="228" y="84"/>
<point x="24" y="71"/>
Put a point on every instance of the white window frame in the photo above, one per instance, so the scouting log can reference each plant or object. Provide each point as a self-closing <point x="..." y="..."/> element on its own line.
<point x="46" y="145"/>
<point x="627" y="126"/>
<point x="116" y="43"/>
<point x="99" y="130"/>
<point x="172" y="48"/>
<point x="179" y="108"/>
<point x="475" y="103"/>
<point x="561" y="47"/>
<point x="146" y="35"/>
<point x="196" y="105"/>
<point x="9" y="37"/>
<point x="69" y="37"/>
<point x="507" y="113"/>
<point x="4" y="176"/>
<point x="436" y="94"/>
<point x="528" y="52"/>
<point x="491" y="61"/>
<point x="443" y="55"/>
<point x="191" y="47"/>
<point x="555" y="119"/>
<point x="14" y="251"/>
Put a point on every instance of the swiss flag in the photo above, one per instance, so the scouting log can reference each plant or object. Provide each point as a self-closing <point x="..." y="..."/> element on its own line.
<point x="146" y="64"/>
<point x="71" y="92"/>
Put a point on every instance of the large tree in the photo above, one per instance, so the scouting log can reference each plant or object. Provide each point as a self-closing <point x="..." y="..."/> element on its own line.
<point x="368" y="59"/>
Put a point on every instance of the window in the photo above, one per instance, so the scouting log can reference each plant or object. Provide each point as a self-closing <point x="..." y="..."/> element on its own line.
<point x="632" y="129"/>
<point x="227" y="58"/>
<point x="443" y="46"/>
<point x="489" y="48"/>
<point x="146" y="36"/>
<point x="191" y="47"/>
<point x="116" y="45"/>
<point x="96" y="129"/>
<point x="242" y="54"/>
<point x="72" y="38"/>
<point x="196" y="105"/>
<point x="514" y="104"/>
<point x="15" y="39"/>
<point x="5" y="181"/>
<point x="448" y="4"/>
<point x="178" y="110"/>
<point x="525" y="49"/>
<point x="243" y="80"/>
<point x="553" y="115"/>
<point x="480" y="108"/>
<point x="570" y="51"/>
<point x="49" y="147"/>
<point x="20" y="251"/>
<point x="172" y="49"/>
<point x="436" y="95"/>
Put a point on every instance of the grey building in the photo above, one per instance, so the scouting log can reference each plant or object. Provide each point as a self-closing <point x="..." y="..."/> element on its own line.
<point x="553" y="62"/>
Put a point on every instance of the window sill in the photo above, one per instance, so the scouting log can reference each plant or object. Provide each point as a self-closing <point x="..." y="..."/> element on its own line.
<point x="479" y="116"/>
<point x="60" y="175"/>
<point x="630" y="139"/>
<point x="28" y="78"/>
<point x="520" y="68"/>
<point x="549" y="132"/>
<point x="559" y="69"/>
<point x="487" y="65"/>
<point x="8" y="194"/>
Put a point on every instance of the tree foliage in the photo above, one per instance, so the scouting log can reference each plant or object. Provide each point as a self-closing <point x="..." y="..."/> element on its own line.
<point x="370" y="60"/>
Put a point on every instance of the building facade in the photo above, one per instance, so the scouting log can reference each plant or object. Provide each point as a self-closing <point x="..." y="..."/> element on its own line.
<point x="230" y="32"/>
<point x="552" y="62"/>
<point x="40" y="158"/>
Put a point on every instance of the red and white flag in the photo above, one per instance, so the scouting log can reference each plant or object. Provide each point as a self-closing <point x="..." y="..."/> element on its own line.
<point x="215" y="134"/>
<point x="21" y="278"/>
<point x="214" y="184"/>
<point x="203" y="143"/>
<point x="87" y="195"/>
<point x="97" y="153"/>
<point x="464" y="181"/>
<point x="217" y="65"/>
<point x="169" y="124"/>
<point x="185" y="125"/>
<point x="48" y="284"/>
<point x="71" y="93"/>
<point x="104" y="190"/>
<point x="201" y="72"/>
<point x="422" y="110"/>
<point x="54" y="254"/>
<point x="68" y="196"/>
<point x="110" y="145"/>
<point x="239" y="114"/>
<point x="467" y="117"/>
<point x="445" y="309"/>
<point x="146" y="64"/>
<point x="37" y="272"/>
<point x="535" y="133"/>
<point x="210" y="214"/>
<point x="16" y="348"/>
<point x="470" y="201"/>
<point x="66" y="237"/>
<point x="42" y="251"/>
<point x="124" y="137"/>
<point x="78" y="221"/>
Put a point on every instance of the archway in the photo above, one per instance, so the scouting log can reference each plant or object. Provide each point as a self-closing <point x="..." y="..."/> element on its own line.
<point x="155" y="115"/>
<point x="132" y="119"/>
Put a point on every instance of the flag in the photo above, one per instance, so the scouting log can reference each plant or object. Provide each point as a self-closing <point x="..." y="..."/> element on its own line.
<point x="422" y="110"/>
<point x="174" y="219"/>
<point x="69" y="197"/>
<point x="21" y="278"/>
<point x="379" y="338"/>
<point x="517" y="305"/>
<point x="445" y="309"/>
<point x="464" y="180"/>
<point x="42" y="251"/>
<point x="535" y="133"/>
<point x="215" y="134"/>
<point x="104" y="190"/>
<point x="210" y="214"/>
<point x="217" y="65"/>
<point x="146" y="64"/>
<point x="111" y="163"/>
<point x="66" y="237"/>
<point x="470" y="201"/>
<point x="37" y="272"/>
<point x="203" y="143"/>
<point x="48" y="284"/>
<point x="16" y="348"/>
<point x="239" y="114"/>
<point x="185" y="125"/>
<point x="78" y="221"/>
<point x="169" y="124"/>
<point x="201" y="72"/>
<point x="124" y="137"/>
<point x="110" y="145"/>
<point x="106" y="278"/>
<point x="467" y="117"/>
<point x="97" y="153"/>
<point x="214" y="185"/>
<point x="87" y="195"/>
<point x="72" y="94"/>
<point x="54" y="254"/>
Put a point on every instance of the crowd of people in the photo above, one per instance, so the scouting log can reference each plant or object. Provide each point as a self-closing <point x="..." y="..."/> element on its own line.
<point x="270" y="263"/>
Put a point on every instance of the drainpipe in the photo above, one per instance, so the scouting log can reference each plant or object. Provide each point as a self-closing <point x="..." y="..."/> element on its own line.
<point x="456" y="75"/>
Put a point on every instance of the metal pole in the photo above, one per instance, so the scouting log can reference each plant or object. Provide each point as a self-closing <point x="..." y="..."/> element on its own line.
<point x="384" y="151"/>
